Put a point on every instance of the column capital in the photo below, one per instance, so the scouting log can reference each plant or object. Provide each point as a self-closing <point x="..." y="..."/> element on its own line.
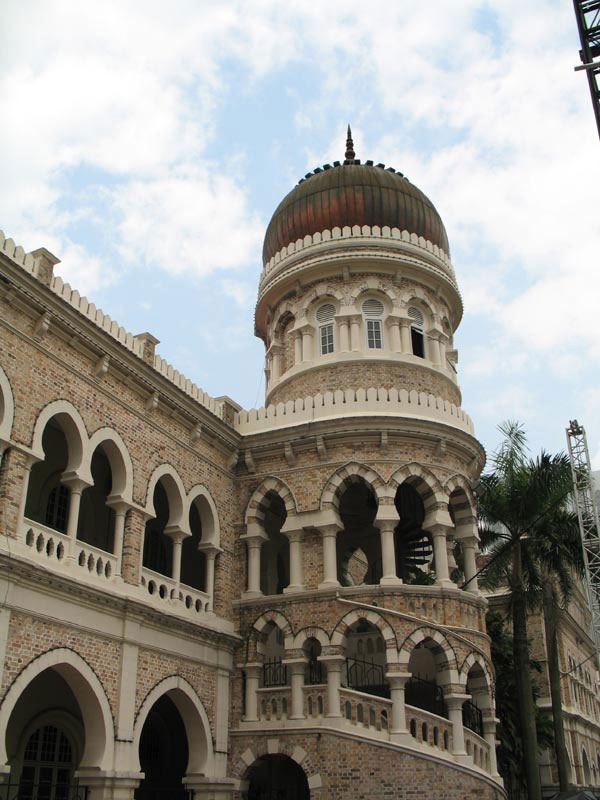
<point x="489" y="725"/>
<point x="331" y="529"/>
<point x="294" y="535"/>
<point x="332" y="662"/>
<point x="254" y="539"/>
<point x="75" y="483"/>
<point x="176" y="533"/>
<point x="398" y="680"/>
<point x="209" y="549"/>
<point x="455" y="700"/>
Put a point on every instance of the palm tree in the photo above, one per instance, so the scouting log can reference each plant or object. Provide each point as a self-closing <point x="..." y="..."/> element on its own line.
<point x="535" y="548"/>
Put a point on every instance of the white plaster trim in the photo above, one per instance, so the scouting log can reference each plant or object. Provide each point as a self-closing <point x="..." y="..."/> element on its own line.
<point x="359" y="403"/>
<point x="8" y="407"/>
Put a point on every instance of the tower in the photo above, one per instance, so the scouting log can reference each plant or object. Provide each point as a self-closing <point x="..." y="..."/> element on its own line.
<point x="365" y="665"/>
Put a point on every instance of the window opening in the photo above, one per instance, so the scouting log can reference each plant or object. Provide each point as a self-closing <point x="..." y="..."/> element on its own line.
<point x="325" y="316"/>
<point x="47" y="766"/>
<point x="416" y="332"/>
<point x="57" y="509"/>
<point x="373" y="310"/>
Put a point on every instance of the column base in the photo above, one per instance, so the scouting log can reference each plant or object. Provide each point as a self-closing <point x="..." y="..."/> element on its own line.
<point x="329" y="585"/>
<point x="402" y="737"/>
<point x="294" y="588"/>
<point x="445" y="583"/>
<point x="391" y="580"/>
<point x="251" y="595"/>
<point x="463" y="758"/>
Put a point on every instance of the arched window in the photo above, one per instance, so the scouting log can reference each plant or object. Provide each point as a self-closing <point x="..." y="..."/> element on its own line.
<point x="48" y="765"/>
<point x="325" y="316"/>
<point x="416" y="332"/>
<point x="373" y="313"/>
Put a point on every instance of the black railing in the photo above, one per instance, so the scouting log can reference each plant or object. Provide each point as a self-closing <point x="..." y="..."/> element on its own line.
<point x="313" y="673"/>
<point x="274" y="673"/>
<point x="472" y="717"/>
<point x="366" y="676"/>
<point x="426" y="695"/>
<point x="43" y="790"/>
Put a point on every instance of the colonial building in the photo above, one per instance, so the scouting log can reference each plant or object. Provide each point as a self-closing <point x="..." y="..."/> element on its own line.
<point x="249" y="604"/>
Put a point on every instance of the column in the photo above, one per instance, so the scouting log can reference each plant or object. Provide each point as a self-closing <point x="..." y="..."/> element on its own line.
<point x="252" y="677"/>
<point x="395" y="336"/>
<point x="489" y="734"/>
<point x="344" y="336"/>
<point x="254" y="543"/>
<point x="120" y="508"/>
<point x="177" y="536"/>
<point x="296" y="571"/>
<point x="468" y="547"/>
<point x="334" y="666"/>
<point x="329" y="534"/>
<point x="443" y="340"/>
<point x="388" y="553"/>
<point x="398" y="729"/>
<point x="442" y="576"/>
<point x="405" y="336"/>
<point x="297" y="667"/>
<point x="307" y="348"/>
<point x="276" y="364"/>
<point x="355" y="334"/>
<point x="434" y="347"/>
<point x="76" y="486"/>
<point x="455" y="704"/>
<point x="297" y="348"/>
<point x="211" y="556"/>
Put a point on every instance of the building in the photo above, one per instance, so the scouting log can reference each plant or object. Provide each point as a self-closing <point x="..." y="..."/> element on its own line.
<point x="249" y="604"/>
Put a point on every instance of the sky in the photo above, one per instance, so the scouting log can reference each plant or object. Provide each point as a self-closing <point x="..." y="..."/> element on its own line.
<point x="147" y="144"/>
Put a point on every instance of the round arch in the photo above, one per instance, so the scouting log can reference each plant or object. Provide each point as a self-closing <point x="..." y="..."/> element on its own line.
<point x="278" y="619"/>
<point x="479" y="659"/>
<point x="207" y="509"/>
<point x="255" y="510"/>
<point x="194" y="716"/>
<point x="176" y="495"/>
<point x="353" y="472"/>
<point x="426" y="484"/>
<point x="119" y="459"/>
<point x="422" y="634"/>
<point x="75" y="432"/>
<point x="7" y="407"/>
<point x="370" y="285"/>
<point x="310" y="633"/>
<point x="338" y="635"/>
<point x="89" y="693"/>
<point x="460" y="482"/>
<point x="417" y="295"/>
<point x="320" y="292"/>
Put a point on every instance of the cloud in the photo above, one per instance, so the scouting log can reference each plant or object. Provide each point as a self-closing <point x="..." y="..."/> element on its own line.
<point x="514" y="402"/>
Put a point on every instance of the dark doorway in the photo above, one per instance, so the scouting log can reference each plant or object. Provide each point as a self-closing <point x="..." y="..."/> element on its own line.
<point x="277" y="777"/>
<point x="163" y="753"/>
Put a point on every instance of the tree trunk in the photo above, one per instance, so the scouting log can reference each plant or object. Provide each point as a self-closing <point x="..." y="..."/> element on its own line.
<point x="550" y="627"/>
<point x="523" y="680"/>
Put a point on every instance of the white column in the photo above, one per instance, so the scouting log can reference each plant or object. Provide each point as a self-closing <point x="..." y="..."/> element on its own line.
<point x="443" y="339"/>
<point x="455" y="704"/>
<point x="24" y="488"/>
<point x="177" y="537"/>
<point x="405" y="336"/>
<point x="276" y="365"/>
<point x="297" y="682"/>
<point x="329" y="534"/>
<point x="76" y="487"/>
<point x="209" y="588"/>
<point x="442" y="575"/>
<point x="334" y="666"/>
<point x="388" y="553"/>
<point x="307" y="348"/>
<point x="468" y="547"/>
<point x="297" y="348"/>
<point x="344" y="336"/>
<point x="252" y="677"/>
<point x="355" y="334"/>
<point x="254" y="544"/>
<point x="398" y="729"/>
<point x="120" y="508"/>
<point x="296" y="571"/>
<point x="489" y="733"/>
<point x="396" y="339"/>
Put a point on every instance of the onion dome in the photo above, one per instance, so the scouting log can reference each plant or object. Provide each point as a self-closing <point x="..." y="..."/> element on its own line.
<point x="350" y="194"/>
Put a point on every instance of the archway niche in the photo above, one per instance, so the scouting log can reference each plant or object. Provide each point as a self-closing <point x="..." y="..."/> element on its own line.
<point x="414" y="549"/>
<point x="477" y="687"/>
<point x="47" y="498"/>
<point x="96" y="525"/>
<point x="45" y="739"/>
<point x="276" y="776"/>
<point x="365" y="660"/>
<point x="163" y="752"/>
<point x="422" y="689"/>
<point x="158" y="547"/>
<point x="275" y="552"/>
<point x="272" y="646"/>
<point x="193" y="560"/>
<point x="315" y="672"/>
<point x="587" y="775"/>
<point x="358" y="544"/>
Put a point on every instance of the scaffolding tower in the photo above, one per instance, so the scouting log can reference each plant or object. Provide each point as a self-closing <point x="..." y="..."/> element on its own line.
<point x="587" y="513"/>
<point x="587" y="13"/>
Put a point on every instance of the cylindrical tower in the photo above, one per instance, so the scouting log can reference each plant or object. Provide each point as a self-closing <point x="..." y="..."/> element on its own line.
<point x="365" y="665"/>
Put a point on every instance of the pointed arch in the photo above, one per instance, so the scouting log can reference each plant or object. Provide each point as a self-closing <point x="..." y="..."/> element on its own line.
<point x="176" y="495"/>
<point x="7" y="407"/>
<point x="207" y="509"/>
<point x="120" y="461"/>
<point x="73" y="427"/>
<point x="89" y="693"/>
<point x="338" y="635"/>
<point x="344" y="476"/>
<point x="194" y="716"/>
<point x="259" y="502"/>
<point x="442" y="645"/>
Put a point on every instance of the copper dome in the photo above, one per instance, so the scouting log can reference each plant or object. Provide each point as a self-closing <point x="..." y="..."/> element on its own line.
<point x="353" y="194"/>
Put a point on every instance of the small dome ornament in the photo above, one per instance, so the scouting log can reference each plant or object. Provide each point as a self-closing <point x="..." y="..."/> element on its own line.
<point x="350" y="154"/>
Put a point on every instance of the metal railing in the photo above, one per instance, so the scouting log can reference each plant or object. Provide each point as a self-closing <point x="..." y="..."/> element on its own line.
<point x="366" y="676"/>
<point x="472" y="717"/>
<point x="313" y="673"/>
<point x="426" y="695"/>
<point x="274" y="673"/>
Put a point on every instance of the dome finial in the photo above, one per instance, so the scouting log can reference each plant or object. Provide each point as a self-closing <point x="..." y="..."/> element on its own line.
<point x="350" y="154"/>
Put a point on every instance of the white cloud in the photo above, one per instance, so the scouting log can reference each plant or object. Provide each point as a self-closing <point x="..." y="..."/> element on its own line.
<point x="506" y="402"/>
<point x="84" y="272"/>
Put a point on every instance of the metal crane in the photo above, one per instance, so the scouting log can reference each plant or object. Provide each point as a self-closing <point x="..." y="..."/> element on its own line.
<point x="587" y="13"/>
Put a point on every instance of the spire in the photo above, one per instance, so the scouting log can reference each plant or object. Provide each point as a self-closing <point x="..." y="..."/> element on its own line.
<point x="350" y="154"/>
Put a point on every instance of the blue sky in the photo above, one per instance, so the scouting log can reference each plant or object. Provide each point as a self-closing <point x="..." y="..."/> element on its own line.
<point x="147" y="144"/>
